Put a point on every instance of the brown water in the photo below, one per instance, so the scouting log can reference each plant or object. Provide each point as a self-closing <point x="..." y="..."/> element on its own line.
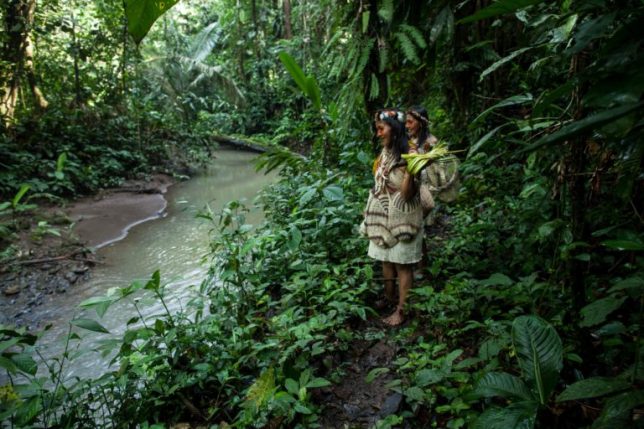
<point x="174" y="244"/>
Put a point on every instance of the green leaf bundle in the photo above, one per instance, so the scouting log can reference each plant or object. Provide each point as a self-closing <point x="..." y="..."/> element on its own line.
<point x="416" y="162"/>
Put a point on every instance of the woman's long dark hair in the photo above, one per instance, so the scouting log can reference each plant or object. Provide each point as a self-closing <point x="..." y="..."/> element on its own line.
<point x="420" y="114"/>
<point x="398" y="135"/>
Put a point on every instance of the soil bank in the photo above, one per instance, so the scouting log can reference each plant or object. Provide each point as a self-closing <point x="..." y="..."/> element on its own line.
<point x="47" y="265"/>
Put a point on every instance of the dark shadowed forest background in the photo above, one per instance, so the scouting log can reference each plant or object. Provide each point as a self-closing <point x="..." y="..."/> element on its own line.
<point x="530" y="310"/>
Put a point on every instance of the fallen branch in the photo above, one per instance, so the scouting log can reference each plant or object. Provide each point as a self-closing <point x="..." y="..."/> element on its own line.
<point x="56" y="258"/>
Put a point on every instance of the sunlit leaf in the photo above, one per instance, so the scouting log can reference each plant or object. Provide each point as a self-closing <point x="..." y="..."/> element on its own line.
<point x="16" y="199"/>
<point x="375" y="373"/>
<point x="502" y="61"/>
<point x="141" y="14"/>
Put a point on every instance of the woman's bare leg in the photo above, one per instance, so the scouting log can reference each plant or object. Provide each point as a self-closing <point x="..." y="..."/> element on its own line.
<point x="405" y="283"/>
<point x="389" y="273"/>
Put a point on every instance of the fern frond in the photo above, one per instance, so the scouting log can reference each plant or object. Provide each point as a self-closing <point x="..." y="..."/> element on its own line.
<point x="386" y="10"/>
<point x="351" y="58"/>
<point x="407" y="47"/>
<point x="415" y="34"/>
<point x="331" y="43"/>
<point x="261" y="391"/>
<point x="336" y="67"/>
<point x="364" y="58"/>
<point x="383" y="58"/>
<point x="374" y="87"/>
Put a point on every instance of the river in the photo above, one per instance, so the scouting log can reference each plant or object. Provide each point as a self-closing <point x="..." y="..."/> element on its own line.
<point x="174" y="244"/>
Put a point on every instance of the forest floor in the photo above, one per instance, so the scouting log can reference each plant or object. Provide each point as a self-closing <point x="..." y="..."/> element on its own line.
<point x="54" y="257"/>
<point x="361" y="399"/>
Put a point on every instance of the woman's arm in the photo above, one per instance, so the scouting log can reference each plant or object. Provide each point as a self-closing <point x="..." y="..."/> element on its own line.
<point x="408" y="188"/>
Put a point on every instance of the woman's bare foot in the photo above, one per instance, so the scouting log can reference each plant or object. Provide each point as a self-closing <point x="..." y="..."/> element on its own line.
<point x="395" y="319"/>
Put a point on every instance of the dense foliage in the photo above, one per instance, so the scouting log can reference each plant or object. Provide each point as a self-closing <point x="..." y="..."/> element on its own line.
<point x="531" y="310"/>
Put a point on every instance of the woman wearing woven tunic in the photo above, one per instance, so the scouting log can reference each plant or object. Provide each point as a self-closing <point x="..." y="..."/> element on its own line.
<point x="421" y="141"/>
<point x="393" y="216"/>
<point x="439" y="180"/>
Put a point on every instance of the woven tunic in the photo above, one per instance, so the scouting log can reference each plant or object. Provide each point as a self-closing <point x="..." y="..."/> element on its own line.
<point x="392" y="224"/>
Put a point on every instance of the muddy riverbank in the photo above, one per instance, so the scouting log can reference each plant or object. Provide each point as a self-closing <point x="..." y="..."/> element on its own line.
<point x="52" y="258"/>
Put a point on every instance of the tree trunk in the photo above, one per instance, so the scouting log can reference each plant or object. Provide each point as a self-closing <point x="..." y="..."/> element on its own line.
<point x="76" y="50"/>
<point x="576" y="168"/>
<point x="240" y="48"/>
<point x="17" y="53"/>
<point x="288" y="31"/>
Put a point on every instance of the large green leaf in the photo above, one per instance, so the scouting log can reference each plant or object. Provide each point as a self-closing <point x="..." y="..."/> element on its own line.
<point x="28" y="411"/>
<point x="590" y="30"/>
<point x="90" y="325"/>
<point x="539" y="352"/>
<point x="313" y="91"/>
<point x="635" y="284"/>
<point x="497" y="8"/>
<point x="592" y="388"/>
<point x="16" y="199"/>
<point x="24" y="362"/>
<point x="589" y="123"/>
<point x="307" y="84"/>
<point x="505" y="385"/>
<point x="444" y="20"/>
<point x="596" y="312"/>
<point x="99" y="303"/>
<point x="141" y="14"/>
<point x="519" y="415"/>
<point x="476" y="146"/>
<point x="617" y="410"/>
<point x="510" y="101"/>
<point x="624" y="244"/>
<point x="502" y="61"/>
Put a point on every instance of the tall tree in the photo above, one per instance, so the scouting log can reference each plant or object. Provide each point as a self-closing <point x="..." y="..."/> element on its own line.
<point x="288" y="30"/>
<point x="17" y="54"/>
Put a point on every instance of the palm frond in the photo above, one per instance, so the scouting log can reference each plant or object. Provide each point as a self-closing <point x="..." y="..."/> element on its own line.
<point x="374" y="87"/>
<point x="204" y="42"/>
<point x="277" y="157"/>
<point x="383" y="58"/>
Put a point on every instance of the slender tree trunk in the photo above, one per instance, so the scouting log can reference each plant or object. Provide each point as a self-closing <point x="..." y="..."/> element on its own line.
<point x="124" y="60"/>
<point x="76" y="51"/>
<point x="288" y="30"/>
<point x="17" y="52"/>
<point x="240" y="49"/>
<point x="577" y="164"/>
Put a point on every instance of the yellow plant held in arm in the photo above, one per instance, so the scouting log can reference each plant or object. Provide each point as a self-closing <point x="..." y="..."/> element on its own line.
<point x="416" y="162"/>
